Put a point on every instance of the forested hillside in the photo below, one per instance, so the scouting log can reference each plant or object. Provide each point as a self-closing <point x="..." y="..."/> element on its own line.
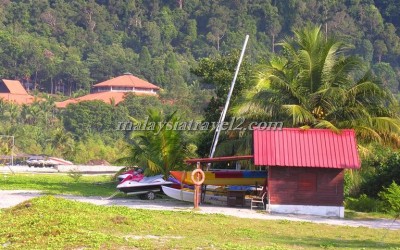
<point x="66" y="46"/>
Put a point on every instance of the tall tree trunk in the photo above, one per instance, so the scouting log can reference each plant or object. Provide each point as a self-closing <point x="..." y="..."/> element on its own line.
<point x="326" y="31"/>
<point x="180" y="4"/>
<point x="35" y="78"/>
<point x="51" y="85"/>
<point x="273" y="43"/>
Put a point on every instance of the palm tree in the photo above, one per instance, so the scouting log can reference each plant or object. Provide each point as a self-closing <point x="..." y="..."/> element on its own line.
<point x="315" y="84"/>
<point x="3" y="106"/>
<point x="13" y="112"/>
<point x="31" y="114"/>
<point x="159" y="149"/>
<point x="61" y="141"/>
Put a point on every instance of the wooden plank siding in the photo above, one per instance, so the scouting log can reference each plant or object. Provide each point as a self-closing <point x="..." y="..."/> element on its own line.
<point x="306" y="186"/>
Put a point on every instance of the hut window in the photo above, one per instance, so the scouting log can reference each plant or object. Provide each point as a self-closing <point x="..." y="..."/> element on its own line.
<point x="307" y="182"/>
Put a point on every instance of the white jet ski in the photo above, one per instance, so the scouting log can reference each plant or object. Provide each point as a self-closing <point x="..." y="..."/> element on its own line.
<point x="146" y="187"/>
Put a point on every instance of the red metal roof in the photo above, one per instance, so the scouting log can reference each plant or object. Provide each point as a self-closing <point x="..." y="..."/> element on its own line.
<point x="293" y="147"/>
<point x="127" y="80"/>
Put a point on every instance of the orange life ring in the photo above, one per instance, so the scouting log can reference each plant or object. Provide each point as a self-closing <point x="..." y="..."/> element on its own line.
<point x="194" y="179"/>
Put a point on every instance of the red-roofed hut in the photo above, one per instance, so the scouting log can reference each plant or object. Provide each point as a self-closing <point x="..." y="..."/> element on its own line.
<point x="306" y="168"/>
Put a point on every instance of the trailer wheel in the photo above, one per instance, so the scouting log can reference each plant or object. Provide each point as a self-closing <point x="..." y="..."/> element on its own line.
<point x="149" y="196"/>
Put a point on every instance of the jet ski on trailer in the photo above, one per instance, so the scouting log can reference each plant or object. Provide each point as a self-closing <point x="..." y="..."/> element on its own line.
<point x="137" y="175"/>
<point x="145" y="188"/>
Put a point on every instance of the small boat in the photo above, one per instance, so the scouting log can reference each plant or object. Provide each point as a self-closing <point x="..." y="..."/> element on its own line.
<point x="224" y="177"/>
<point x="146" y="187"/>
<point x="187" y="195"/>
<point x="177" y="184"/>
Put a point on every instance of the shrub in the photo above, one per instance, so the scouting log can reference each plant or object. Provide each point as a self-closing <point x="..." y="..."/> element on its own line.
<point x="391" y="197"/>
<point x="352" y="182"/>
<point x="75" y="174"/>
<point x="384" y="173"/>
<point x="364" y="204"/>
<point x="373" y="173"/>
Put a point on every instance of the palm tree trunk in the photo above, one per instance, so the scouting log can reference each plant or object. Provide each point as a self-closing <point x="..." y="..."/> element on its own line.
<point x="326" y="31"/>
<point x="51" y="85"/>
<point x="273" y="43"/>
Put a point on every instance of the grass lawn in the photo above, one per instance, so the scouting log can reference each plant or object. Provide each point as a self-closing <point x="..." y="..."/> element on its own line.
<point x="55" y="223"/>
<point x="355" y="215"/>
<point x="99" y="185"/>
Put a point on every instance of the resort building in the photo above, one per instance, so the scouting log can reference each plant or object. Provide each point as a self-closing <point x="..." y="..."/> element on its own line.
<point x="114" y="90"/>
<point x="13" y="91"/>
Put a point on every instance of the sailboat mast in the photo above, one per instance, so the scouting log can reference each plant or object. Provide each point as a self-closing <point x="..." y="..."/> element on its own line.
<point x="223" y="114"/>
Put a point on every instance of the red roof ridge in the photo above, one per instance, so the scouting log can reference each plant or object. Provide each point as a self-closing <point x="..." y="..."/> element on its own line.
<point x="127" y="80"/>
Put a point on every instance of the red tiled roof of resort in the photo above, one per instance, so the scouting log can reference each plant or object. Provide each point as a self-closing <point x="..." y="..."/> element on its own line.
<point x="15" y="87"/>
<point x="127" y="80"/>
<point x="64" y="104"/>
<point x="106" y="97"/>
<point x="17" y="99"/>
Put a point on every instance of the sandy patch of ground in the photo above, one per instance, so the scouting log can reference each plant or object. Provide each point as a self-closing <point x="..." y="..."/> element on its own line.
<point x="10" y="198"/>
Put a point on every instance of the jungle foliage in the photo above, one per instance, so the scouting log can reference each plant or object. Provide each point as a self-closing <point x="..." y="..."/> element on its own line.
<point x="188" y="48"/>
<point x="65" y="46"/>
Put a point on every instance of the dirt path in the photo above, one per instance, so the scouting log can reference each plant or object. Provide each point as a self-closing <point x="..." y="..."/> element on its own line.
<point x="9" y="198"/>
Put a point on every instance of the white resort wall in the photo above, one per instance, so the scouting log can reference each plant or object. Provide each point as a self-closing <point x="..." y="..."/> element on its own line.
<point x="330" y="211"/>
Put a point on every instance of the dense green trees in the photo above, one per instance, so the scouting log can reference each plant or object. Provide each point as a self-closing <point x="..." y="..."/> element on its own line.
<point x="63" y="47"/>
<point x="315" y="84"/>
<point x="218" y="72"/>
<point x="33" y="126"/>
<point x="379" y="171"/>
<point x="93" y="117"/>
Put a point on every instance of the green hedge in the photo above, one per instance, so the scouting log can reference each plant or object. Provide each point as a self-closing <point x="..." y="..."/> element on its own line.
<point x="365" y="204"/>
